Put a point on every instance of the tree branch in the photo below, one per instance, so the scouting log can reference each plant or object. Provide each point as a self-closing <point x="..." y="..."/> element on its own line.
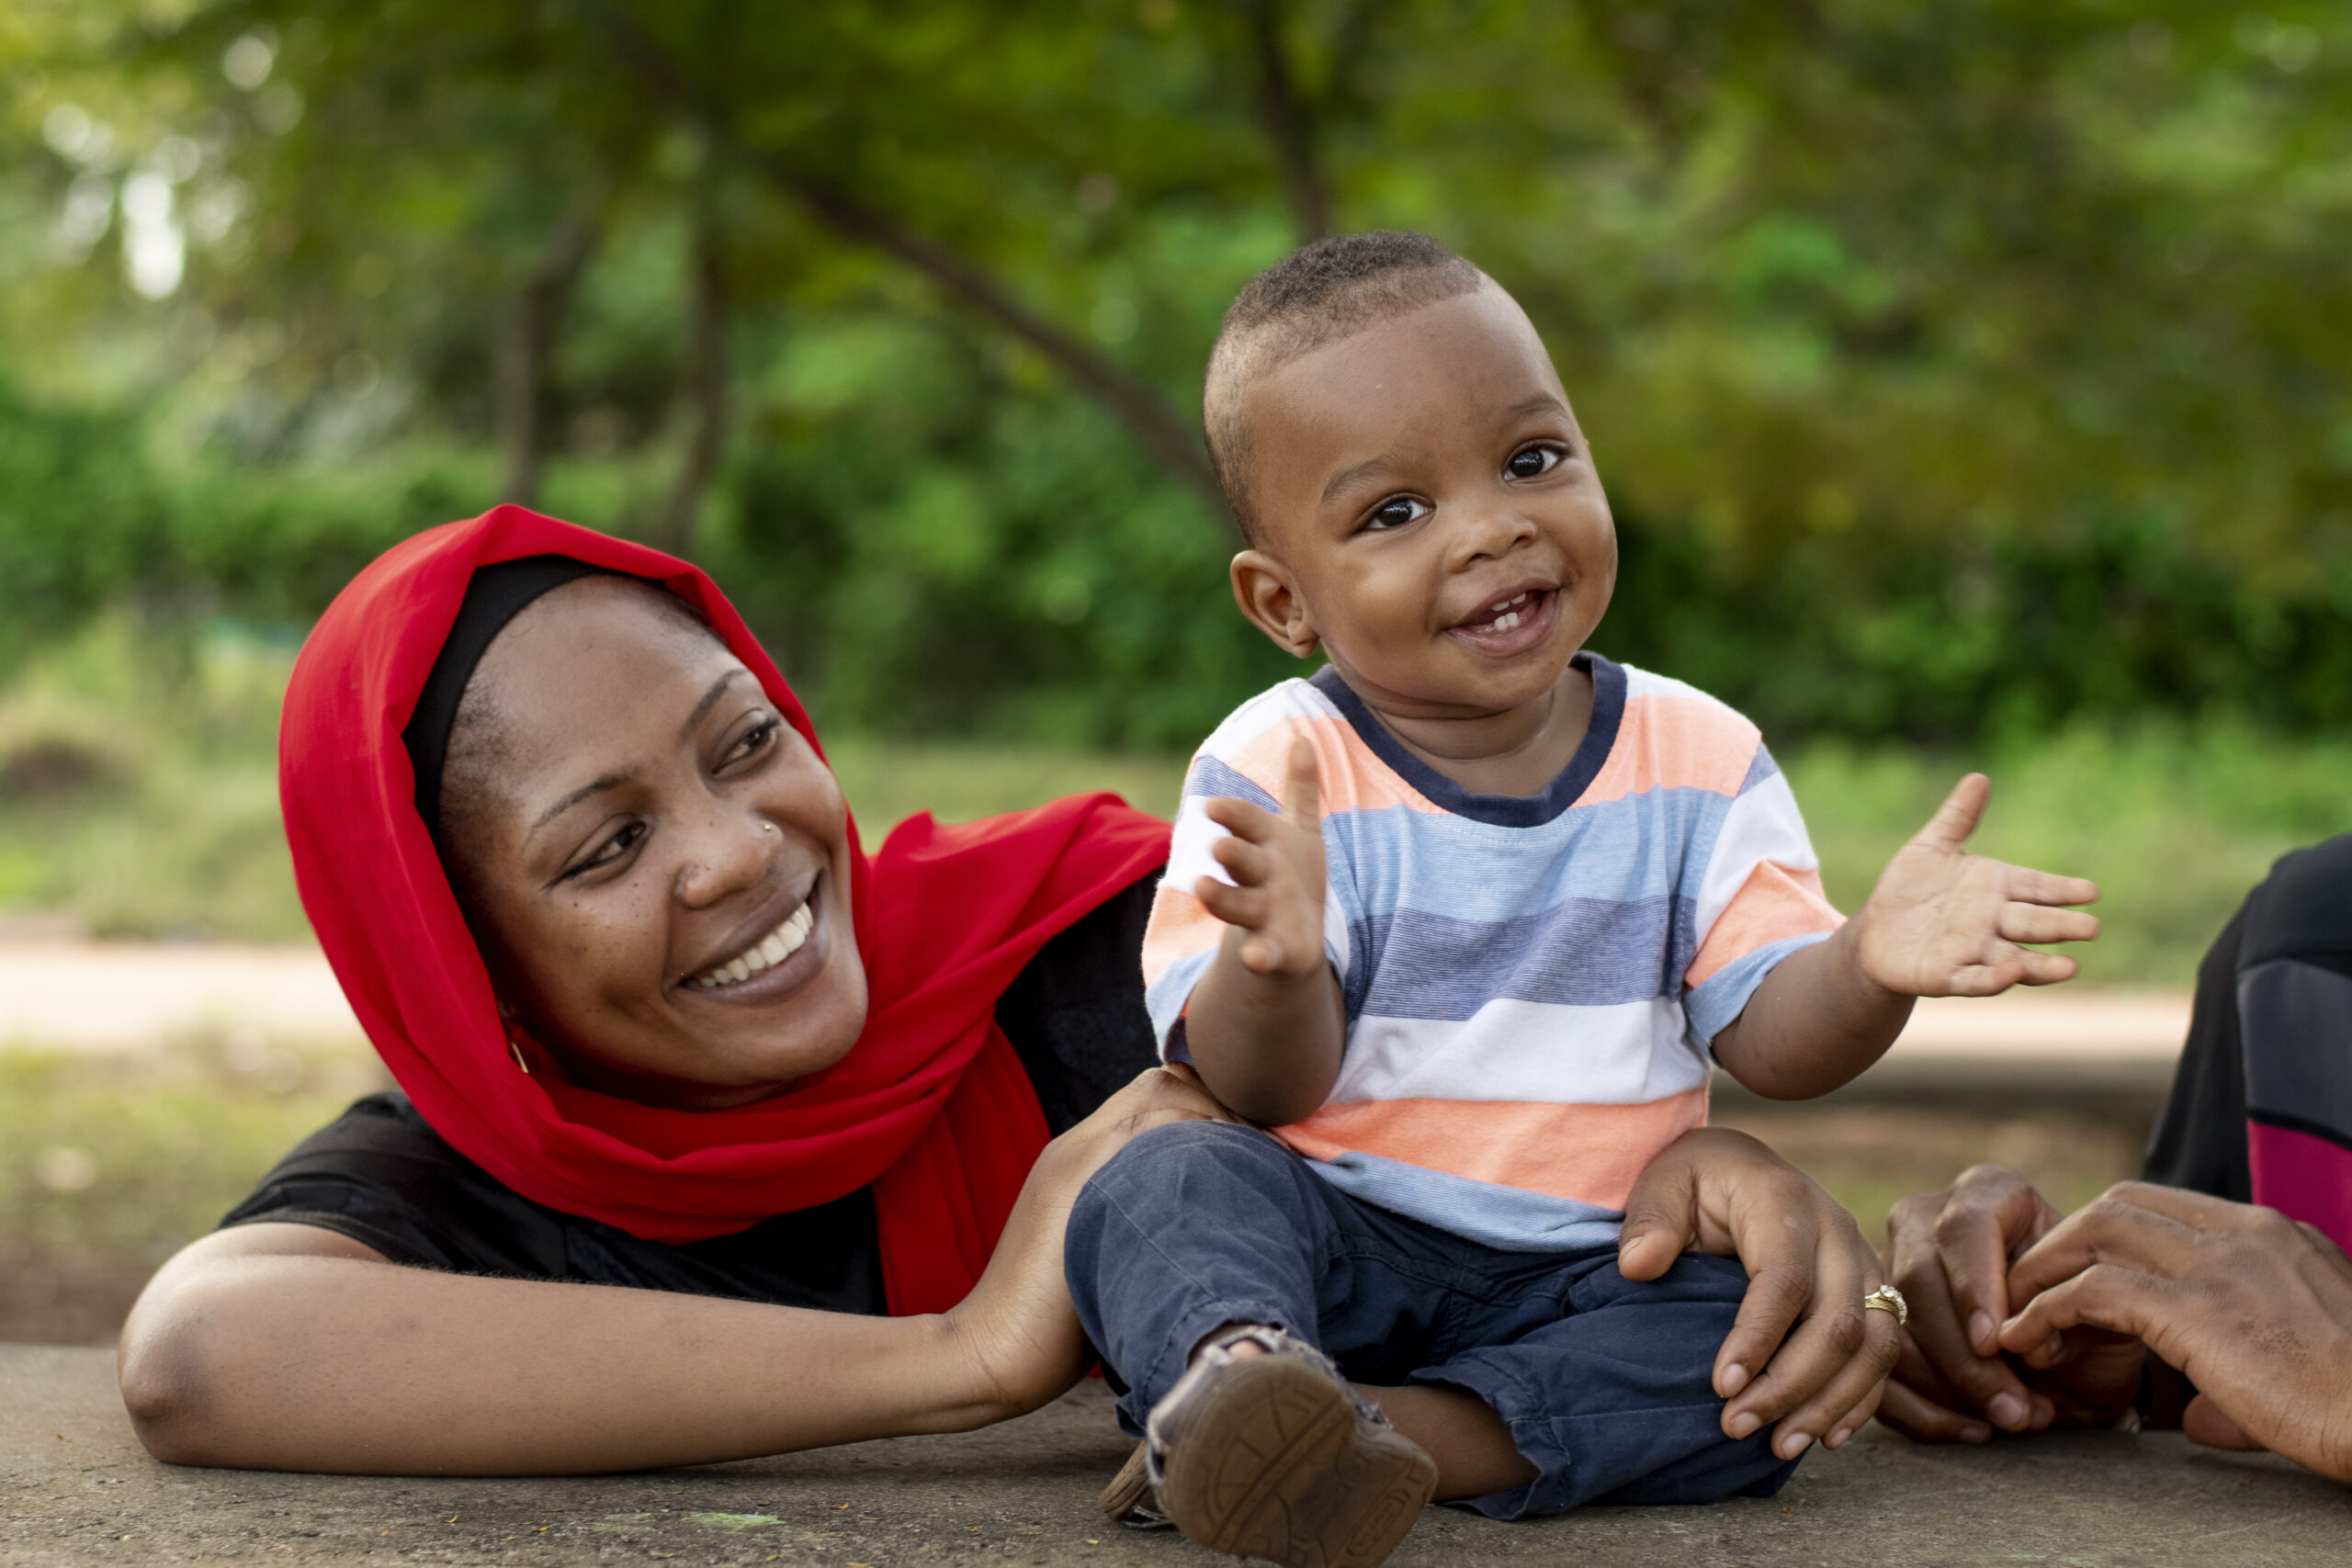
<point x="1289" y="124"/>
<point x="1169" y="441"/>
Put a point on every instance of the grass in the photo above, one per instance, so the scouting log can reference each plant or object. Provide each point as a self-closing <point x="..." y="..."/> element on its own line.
<point x="138" y="798"/>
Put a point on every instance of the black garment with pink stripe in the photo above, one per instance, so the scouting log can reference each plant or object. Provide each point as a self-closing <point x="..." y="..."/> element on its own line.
<point x="2261" y="1108"/>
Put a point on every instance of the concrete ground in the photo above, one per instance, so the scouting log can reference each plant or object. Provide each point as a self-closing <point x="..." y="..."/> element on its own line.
<point x="76" y="1488"/>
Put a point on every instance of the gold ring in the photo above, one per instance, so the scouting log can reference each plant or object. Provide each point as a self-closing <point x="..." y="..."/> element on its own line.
<point x="1886" y="1298"/>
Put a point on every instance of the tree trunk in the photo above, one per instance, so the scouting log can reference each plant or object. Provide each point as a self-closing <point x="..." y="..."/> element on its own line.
<point x="706" y="386"/>
<point x="1289" y="124"/>
<point x="1173" y="443"/>
<point x="526" y="358"/>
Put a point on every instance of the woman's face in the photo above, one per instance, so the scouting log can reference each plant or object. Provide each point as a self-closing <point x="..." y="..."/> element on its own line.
<point x="657" y="864"/>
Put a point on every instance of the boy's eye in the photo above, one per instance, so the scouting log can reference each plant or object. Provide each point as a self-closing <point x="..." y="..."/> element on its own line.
<point x="1528" y="462"/>
<point x="1396" y="512"/>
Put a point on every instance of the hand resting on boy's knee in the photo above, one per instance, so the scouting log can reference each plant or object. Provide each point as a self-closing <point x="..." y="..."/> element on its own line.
<point x="1823" y="1358"/>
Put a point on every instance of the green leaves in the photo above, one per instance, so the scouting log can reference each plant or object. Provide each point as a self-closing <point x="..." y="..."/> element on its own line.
<point x="1951" y="366"/>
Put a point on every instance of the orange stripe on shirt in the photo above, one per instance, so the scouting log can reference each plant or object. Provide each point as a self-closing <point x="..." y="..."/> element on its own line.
<point x="1588" y="1154"/>
<point x="1674" y="743"/>
<point x="1355" y="778"/>
<point x="1179" y="925"/>
<point x="1773" y="905"/>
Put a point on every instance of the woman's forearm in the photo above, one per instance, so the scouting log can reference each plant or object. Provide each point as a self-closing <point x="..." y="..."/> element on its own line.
<point x="259" y="1349"/>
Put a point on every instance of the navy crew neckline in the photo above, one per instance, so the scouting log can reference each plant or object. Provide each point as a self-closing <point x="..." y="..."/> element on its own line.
<point x="1501" y="810"/>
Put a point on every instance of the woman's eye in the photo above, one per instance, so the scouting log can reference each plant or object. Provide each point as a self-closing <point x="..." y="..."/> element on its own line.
<point x="1396" y="512"/>
<point x="1528" y="462"/>
<point x="612" y="850"/>
<point x="753" y="742"/>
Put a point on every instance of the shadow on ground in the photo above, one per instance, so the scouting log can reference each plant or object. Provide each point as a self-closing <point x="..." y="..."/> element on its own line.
<point x="80" y="1490"/>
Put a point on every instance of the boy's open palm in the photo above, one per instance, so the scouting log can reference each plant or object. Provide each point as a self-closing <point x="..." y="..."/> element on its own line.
<point x="1276" y="864"/>
<point x="1943" y="923"/>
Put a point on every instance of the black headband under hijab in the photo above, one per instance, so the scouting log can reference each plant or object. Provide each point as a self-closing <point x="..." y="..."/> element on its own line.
<point x="496" y="595"/>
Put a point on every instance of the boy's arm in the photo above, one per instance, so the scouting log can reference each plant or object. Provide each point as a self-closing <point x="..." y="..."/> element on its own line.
<point x="1941" y="922"/>
<point x="1265" y="1025"/>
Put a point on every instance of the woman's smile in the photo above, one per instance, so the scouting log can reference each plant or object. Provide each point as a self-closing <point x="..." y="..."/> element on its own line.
<point x="774" y="959"/>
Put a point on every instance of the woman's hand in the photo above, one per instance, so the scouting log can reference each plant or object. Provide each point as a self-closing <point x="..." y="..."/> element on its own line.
<point x="1722" y="1192"/>
<point x="1950" y="1251"/>
<point x="2253" y="1308"/>
<point x="1020" y="1334"/>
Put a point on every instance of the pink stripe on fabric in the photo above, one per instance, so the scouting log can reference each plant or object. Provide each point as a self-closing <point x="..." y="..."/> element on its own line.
<point x="1180" y="925"/>
<point x="1355" y="778"/>
<point x="1588" y="1154"/>
<point x="2303" y="1178"/>
<point x="1674" y="743"/>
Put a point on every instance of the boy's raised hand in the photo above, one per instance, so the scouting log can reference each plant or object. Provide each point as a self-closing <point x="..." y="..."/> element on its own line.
<point x="1276" y="862"/>
<point x="1943" y="923"/>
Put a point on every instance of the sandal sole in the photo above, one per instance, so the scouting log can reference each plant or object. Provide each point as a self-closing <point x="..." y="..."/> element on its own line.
<point x="1272" y="1461"/>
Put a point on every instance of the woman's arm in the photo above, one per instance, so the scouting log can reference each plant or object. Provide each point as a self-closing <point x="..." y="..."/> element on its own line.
<point x="1723" y="1192"/>
<point x="2253" y="1308"/>
<point x="288" y="1347"/>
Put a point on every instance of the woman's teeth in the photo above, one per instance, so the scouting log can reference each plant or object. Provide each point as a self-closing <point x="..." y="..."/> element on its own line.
<point x="770" y="951"/>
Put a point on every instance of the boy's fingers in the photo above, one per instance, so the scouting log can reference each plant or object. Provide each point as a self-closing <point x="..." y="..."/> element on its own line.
<point x="1243" y="907"/>
<point x="2039" y="923"/>
<point x="1956" y="818"/>
<point x="1241" y="817"/>
<point x="1249" y="863"/>
<point x="1302" y="785"/>
<point x="2046" y="968"/>
<point x="2033" y="886"/>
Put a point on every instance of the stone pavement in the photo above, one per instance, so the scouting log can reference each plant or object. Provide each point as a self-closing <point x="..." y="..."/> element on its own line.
<point x="76" y="1488"/>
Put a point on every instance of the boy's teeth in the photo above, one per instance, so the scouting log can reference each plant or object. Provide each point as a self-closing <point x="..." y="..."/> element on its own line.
<point x="770" y="951"/>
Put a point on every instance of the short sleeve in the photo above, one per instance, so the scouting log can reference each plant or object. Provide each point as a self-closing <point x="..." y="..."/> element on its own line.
<point x="1760" y="900"/>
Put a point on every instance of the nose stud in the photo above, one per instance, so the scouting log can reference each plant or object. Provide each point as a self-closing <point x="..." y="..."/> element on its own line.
<point x="767" y="827"/>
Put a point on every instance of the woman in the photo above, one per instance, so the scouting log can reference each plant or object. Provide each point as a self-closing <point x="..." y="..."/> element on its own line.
<point x="568" y="842"/>
<point x="2216" y="1293"/>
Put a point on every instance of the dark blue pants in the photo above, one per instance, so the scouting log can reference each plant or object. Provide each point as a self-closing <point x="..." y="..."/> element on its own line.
<point x="1604" y="1383"/>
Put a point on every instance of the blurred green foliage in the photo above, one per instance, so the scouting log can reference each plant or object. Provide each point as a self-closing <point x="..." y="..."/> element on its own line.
<point x="138" y="798"/>
<point x="1955" y="368"/>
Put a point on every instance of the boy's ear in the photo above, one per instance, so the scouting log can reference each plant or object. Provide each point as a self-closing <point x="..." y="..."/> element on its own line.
<point x="1263" y="588"/>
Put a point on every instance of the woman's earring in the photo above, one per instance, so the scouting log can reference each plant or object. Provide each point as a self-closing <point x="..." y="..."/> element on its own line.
<point x="514" y="1046"/>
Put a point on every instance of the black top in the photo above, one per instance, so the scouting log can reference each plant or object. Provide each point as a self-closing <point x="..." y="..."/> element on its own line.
<point x="380" y="1176"/>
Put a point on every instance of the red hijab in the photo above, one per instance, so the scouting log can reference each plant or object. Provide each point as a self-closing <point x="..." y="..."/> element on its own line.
<point x="930" y="1107"/>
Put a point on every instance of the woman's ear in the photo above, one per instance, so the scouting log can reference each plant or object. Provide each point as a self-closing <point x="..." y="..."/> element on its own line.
<point x="1267" y="593"/>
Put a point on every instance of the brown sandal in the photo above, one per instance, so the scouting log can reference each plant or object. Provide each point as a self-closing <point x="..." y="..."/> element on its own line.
<point x="1273" y="1455"/>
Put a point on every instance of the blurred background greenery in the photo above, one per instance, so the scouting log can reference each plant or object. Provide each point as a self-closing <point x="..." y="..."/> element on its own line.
<point x="1973" y="383"/>
<point x="1971" y="380"/>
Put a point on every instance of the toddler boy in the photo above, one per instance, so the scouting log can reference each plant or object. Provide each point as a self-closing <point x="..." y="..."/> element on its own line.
<point x="1462" y="919"/>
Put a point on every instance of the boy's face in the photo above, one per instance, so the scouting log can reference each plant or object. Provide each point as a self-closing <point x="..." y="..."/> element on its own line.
<point x="1412" y="477"/>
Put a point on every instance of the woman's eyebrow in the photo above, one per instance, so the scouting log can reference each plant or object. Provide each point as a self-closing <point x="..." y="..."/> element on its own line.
<point x="709" y="700"/>
<point x="595" y="786"/>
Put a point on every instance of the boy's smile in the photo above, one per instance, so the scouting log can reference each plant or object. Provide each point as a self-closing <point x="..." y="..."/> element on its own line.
<point x="1431" y="517"/>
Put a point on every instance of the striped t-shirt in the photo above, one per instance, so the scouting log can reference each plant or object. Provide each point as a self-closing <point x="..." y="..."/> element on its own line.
<point x="1530" y="982"/>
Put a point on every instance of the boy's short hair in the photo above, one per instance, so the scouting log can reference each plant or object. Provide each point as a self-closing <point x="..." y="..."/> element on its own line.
<point x="1317" y="294"/>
